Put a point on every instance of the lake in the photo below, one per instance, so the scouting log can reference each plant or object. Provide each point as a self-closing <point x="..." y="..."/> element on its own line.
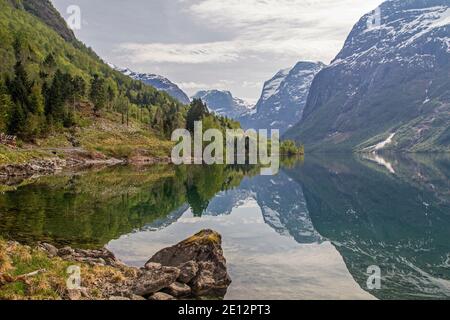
<point x="310" y="232"/>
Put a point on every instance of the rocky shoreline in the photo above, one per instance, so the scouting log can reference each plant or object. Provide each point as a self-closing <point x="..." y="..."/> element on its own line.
<point x="53" y="165"/>
<point x="192" y="269"/>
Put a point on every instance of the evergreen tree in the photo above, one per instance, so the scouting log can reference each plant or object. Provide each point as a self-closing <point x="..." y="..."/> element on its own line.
<point x="196" y="113"/>
<point x="55" y="97"/>
<point x="122" y="105"/>
<point x="20" y="87"/>
<point x="158" y="120"/>
<point x="111" y="94"/>
<point x="17" y="121"/>
<point x="50" y="61"/>
<point x="79" y="86"/>
<point x="6" y="106"/>
<point x="98" y="93"/>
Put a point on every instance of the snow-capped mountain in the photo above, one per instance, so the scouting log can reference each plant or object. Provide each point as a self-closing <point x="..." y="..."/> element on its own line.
<point x="223" y="103"/>
<point x="283" y="98"/>
<point x="158" y="82"/>
<point x="391" y="79"/>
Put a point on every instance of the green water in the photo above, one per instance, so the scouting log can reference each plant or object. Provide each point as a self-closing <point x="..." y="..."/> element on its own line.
<point x="310" y="232"/>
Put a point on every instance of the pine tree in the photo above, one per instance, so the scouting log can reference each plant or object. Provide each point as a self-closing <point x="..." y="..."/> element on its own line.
<point x="196" y="113"/>
<point x="122" y="105"/>
<point x="111" y="96"/>
<point x="17" y="121"/>
<point x="20" y="87"/>
<point x="79" y="86"/>
<point x="55" y="97"/>
<point x="6" y="107"/>
<point x="98" y="93"/>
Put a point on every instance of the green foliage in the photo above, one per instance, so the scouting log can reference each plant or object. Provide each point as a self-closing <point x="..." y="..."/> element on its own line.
<point x="57" y="94"/>
<point x="22" y="115"/>
<point x="6" y="106"/>
<point x="197" y="112"/>
<point x="48" y="67"/>
<point x="290" y="148"/>
<point x="11" y="156"/>
<point x="99" y="93"/>
<point x="108" y="203"/>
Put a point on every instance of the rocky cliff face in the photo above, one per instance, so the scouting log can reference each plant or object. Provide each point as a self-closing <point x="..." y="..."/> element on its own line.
<point x="45" y="11"/>
<point x="389" y="86"/>
<point x="283" y="98"/>
<point x="223" y="103"/>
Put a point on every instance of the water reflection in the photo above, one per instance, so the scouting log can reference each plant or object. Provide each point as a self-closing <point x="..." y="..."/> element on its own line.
<point x="310" y="232"/>
<point x="395" y="216"/>
<point x="88" y="209"/>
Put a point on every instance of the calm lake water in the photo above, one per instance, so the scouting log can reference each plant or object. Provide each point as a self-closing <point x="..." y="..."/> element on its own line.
<point x="310" y="232"/>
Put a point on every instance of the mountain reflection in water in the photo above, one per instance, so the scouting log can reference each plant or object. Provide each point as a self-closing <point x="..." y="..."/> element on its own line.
<point x="310" y="232"/>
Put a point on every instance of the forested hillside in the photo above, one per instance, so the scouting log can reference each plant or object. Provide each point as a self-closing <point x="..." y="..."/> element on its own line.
<point x="47" y="73"/>
<point x="55" y="91"/>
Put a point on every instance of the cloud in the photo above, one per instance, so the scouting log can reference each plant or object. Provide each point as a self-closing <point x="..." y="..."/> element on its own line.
<point x="196" y="53"/>
<point x="214" y="52"/>
<point x="288" y="29"/>
<point x="196" y="86"/>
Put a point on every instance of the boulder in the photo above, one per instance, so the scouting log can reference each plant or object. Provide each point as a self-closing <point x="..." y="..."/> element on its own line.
<point x="66" y="251"/>
<point x="102" y="257"/>
<point x="51" y="250"/>
<point x="97" y="257"/>
<point x="135" y="297"/>
<point x="151" y="281"/>
<point x="210" y="281"/>
<point x="161" y="296"/>
<point x="188" y="271"/>
<point x="153" y="266"/>
<point x="204" y="249"/>
<point x="178" y="290"/>
<point x="118" y="298"/>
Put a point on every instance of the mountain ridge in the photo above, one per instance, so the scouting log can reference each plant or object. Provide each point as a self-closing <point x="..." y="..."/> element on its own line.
<point x="222" y="102"/>
<point x="283" y="97"/>
<point x="159" y="82"/>
<point x="387" y="79"/>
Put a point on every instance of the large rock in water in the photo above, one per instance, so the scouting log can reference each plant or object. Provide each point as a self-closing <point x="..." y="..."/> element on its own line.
<point x="203" y="253"/>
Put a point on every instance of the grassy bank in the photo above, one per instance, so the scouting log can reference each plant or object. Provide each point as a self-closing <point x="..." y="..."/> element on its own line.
<point x="20" y="156"/>
<point x="98" y="138"/>
<point x="29" y="274"/>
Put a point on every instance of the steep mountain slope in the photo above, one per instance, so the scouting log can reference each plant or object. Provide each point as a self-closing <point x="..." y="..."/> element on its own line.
<point x="158" y="82"/>
<point x="389" y="87"/>
<point x="283" y="98"/>
<point x="44" y="10"/>
<point x="56" y="93"/>
<point x="223" y="103"/>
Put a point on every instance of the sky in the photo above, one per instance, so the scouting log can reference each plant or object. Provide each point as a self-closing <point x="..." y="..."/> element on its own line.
<point x="233" y="45"/>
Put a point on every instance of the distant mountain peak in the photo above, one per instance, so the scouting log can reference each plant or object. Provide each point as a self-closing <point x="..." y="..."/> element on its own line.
<point x="389" y="78"/>
<point x="283" y="97"/>
<point x="157" y="81"/>
<point x="223" y="103"/>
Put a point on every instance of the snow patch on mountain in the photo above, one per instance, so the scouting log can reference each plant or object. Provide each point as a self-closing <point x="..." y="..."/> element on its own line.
<point x="223" y="103"/>
<point x="283" y="98"/>
<point x="385" y="77"/>
<point x="158" y="82"/>
<point x="272" y="86"/>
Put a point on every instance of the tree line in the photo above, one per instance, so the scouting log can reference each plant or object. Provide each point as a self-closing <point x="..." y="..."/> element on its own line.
<point x="35" y="108"/>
